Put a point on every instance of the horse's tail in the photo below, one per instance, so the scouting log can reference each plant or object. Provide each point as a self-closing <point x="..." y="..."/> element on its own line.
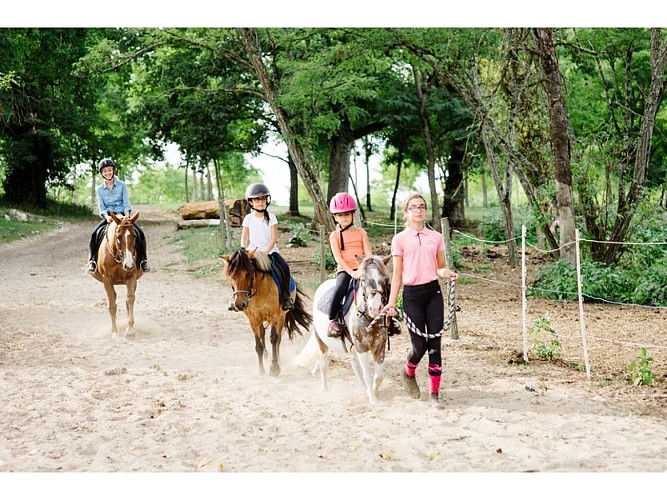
<point x="298" y="318"/>
<point x="309" y="356"/>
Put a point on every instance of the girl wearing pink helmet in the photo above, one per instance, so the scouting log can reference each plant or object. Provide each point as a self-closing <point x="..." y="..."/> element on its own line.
<point x="347" y="243"/>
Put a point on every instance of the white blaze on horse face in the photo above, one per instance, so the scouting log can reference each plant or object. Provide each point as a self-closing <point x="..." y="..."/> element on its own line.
<point x="374" y="295"/>
<point x="128" y="260"/>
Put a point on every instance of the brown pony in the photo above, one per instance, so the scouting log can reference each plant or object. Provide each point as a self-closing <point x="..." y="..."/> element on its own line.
<point x="117" y="265"/>
<point x="255" y="293"/>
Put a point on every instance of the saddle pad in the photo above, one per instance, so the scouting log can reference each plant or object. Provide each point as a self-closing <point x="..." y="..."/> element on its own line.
<point x="292" y="283"/>
<point x="325" y="301"/>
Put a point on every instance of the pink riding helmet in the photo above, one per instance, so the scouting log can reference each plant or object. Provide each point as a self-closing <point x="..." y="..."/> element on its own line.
<point x="342" y="203"/>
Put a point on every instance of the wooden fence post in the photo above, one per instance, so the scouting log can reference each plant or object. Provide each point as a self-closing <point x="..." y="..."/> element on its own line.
<point x="444" y="223"/>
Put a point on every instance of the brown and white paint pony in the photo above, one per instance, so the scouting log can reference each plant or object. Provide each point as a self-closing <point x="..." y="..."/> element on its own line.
<point x="368" y="338"/>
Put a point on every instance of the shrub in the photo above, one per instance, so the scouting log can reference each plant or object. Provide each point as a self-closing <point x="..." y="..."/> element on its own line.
<point x="640" y="369"/>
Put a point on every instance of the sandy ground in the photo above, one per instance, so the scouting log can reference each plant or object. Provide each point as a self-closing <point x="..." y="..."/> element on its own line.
<point x="185" y="395"/>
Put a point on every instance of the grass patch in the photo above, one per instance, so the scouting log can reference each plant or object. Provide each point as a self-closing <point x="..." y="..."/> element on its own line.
<point x="39" y="219"/>
<point x="201" y="248"/>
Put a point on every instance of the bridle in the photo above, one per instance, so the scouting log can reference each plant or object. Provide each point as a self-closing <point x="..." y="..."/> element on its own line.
<point x="249" y="293"/>
<point x="118" y="255"/>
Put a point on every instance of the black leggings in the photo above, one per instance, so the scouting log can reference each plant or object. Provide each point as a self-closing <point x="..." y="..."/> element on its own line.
<point x="425" y="307"/>
<point x="140" y="245"/>
<point x="283" y="272"/>
<point x="342" y="283"/>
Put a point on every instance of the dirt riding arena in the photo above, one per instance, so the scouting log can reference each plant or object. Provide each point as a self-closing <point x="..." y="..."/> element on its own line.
<point x="185" y="394"/>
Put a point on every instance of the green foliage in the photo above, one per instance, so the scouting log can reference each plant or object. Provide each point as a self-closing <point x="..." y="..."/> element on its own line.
<point x="492" y="227"/>
<point x="640" y="369"/>
<point x="201" y="248"/>
<point x="330" y="262"/>
<point x="300" y="236"/>
<point x="643" y="285"/>
<point x="550" y="349"/>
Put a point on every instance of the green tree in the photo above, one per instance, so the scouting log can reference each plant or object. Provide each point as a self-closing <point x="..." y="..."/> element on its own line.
<point x="43" y="110"/>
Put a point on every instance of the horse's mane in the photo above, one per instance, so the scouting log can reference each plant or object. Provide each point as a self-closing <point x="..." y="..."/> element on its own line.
<point x="262" y="260"/>
<point x="240" y="260"/>
<point x="374" y="261"/>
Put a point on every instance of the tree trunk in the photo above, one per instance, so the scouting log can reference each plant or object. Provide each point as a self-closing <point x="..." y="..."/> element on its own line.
<point x="250" y="39"/>
<point x="560" y="141"/>
<point x="368" y="152"/>
<point x="628" y="204"/>
<point x="225" y="226"/>
<point x="293" y="187"/>
<point x="195" y="189"/>
<point x="485" y="194"/>
<point x="399" y="165"/>
<point x="209" y="184"/>
<point x="453" y="206"/>
<point x="504" y="189"/>
<point x="422" y="92"/>
<point x="339" y="159"/>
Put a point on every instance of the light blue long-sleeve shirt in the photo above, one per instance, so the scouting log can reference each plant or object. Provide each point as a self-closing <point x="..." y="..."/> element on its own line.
<point x="114" y="200"/>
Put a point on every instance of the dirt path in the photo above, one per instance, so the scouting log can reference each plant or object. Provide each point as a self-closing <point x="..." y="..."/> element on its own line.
<point x="185" y="394"/>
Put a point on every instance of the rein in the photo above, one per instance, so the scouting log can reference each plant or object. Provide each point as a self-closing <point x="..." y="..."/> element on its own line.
<point x="413" y="328"/>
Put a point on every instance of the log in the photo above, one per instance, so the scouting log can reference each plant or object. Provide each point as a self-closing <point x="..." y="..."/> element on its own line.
<point x="186" y="224"/>
<point x="210" y="210"/>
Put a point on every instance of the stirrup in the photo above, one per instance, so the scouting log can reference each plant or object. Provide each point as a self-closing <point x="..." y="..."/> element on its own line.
<point x="334" y="330"/>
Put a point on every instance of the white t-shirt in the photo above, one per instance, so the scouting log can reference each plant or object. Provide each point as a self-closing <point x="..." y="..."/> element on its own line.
<point x="259" y="232"/>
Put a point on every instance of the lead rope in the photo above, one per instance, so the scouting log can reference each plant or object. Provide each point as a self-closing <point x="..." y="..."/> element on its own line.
<point x="413" y="328"/>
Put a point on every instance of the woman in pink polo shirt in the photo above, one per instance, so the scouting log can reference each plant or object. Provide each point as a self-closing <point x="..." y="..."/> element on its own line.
<point x="419" y="259"/>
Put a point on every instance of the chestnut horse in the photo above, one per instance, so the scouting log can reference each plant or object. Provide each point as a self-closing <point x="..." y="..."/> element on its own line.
<point x="255" y="293"/>
<point x="367" y="334"/>
<point x="117" y="265"/>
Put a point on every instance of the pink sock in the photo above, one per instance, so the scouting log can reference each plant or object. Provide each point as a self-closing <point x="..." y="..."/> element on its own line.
<point x="410" y="369"/>
<point x="434" y="375"/>
<point x="434" y="383"/>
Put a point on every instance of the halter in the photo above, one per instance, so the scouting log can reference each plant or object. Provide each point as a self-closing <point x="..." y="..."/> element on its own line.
<point x="362" y="312"/>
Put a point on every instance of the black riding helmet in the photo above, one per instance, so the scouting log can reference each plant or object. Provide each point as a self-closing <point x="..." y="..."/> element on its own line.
<point x="107" y="162"/>
<point x="256" y="190"/>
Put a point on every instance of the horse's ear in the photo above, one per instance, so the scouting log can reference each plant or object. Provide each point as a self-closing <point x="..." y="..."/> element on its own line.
<point x="386" y="259"/>
<point x="251" y="253"/>
<point x="359" y="259"/>
<point x="224" y="257"/>
<point x="114" y="217"/>
<point x="134" y="217"/>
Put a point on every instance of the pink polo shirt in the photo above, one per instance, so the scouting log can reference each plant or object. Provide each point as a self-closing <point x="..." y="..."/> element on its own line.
<point x="419" y="250"/>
